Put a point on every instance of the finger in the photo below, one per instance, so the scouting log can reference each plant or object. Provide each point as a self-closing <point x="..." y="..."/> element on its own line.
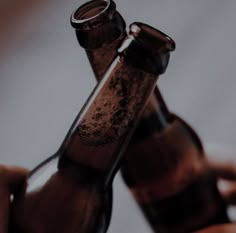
<point x="11" y="176"/>
<point x="228" y="191"/>
<point x="223" y="169"/>
<point x="224" y="228"/>
<point x="222" y="160"/>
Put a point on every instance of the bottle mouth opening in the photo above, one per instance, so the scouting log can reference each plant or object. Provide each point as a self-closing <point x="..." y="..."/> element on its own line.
<point x="90" y="10"/>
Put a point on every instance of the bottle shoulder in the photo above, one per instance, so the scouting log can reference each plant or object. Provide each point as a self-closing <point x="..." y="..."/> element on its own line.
<point x="192" y="133"/>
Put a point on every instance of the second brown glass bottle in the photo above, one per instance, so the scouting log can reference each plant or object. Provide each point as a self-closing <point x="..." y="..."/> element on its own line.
<point x="165" y="166"/>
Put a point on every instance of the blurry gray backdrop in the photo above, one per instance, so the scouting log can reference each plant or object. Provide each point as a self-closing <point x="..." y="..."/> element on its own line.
<point x="45" y="78"/>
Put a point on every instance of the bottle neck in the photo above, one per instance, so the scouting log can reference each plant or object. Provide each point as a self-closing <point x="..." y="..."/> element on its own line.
<point x="101" y="132"/>
<point x="156" y="115"/>
<point x="101" y="58"/>
<point x="155" y="118"/>
<point x="162" y="105"/>
<point x="100" y="30"/>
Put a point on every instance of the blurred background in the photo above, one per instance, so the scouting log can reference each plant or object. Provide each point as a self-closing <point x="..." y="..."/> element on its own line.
<point x="45" y="78"/>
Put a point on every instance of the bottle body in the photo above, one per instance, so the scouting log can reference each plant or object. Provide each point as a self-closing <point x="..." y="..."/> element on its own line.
<point x="164" y="166"/>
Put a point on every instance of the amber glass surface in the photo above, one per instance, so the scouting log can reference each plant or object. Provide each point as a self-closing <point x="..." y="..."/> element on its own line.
<point x="165" y="165"/>
<point x="71" y="191"/>
<point x="171" y="179"/>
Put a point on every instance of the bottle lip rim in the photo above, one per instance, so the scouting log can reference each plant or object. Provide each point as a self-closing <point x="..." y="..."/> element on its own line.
<point x="137" y="28"/>
<point x="96" y="20"/>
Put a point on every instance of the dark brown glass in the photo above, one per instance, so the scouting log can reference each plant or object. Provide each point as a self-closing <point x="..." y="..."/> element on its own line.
<point x="71" y="191"/>
<point x="165" y="165"/>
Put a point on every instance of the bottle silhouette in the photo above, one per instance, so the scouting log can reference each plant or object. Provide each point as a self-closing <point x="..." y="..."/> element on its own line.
<point x="71" y="191"/>
<point x="165" y="166"/>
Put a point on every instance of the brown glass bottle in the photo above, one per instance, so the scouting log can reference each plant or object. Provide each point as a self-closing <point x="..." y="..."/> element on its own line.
<point x="164" y="165"/>
<point x="71" y="191"/>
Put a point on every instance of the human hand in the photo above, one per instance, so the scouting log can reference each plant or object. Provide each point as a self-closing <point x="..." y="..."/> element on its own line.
<point x="226" y="173"/>
<point x="10" y="177"/>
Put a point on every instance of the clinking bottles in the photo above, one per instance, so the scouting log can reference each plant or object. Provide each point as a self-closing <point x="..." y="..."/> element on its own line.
<point x="71" y="191"/>
<point x="164" y="166"/>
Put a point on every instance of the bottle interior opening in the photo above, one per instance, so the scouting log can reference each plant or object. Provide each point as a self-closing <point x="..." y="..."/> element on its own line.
<point x="91" y="10"/>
